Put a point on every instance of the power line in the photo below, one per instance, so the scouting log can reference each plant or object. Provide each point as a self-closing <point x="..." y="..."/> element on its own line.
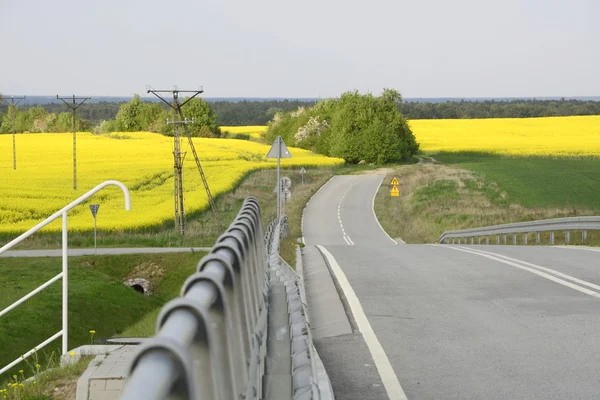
<point x="179" y="119"/>
<point x="14" y="111"/>
<point x="77" y="102"/>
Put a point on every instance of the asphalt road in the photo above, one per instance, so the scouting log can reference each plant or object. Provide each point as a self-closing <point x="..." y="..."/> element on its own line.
<point x="456" y="322"/>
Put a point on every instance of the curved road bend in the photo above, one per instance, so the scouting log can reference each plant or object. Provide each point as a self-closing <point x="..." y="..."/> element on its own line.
<point x="455" y="322"/>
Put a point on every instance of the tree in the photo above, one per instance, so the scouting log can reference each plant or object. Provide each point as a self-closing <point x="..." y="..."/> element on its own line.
<point x="205" y="119"/>
<point x="127" y="119"/>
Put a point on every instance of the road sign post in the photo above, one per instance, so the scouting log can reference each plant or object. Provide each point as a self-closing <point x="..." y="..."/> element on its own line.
<point x="286" y="196"/>
<point x="279" y="150"/>
<point x="94" y="209"/>
<point x="394" y="192"/>
<point x="302" y="172"/>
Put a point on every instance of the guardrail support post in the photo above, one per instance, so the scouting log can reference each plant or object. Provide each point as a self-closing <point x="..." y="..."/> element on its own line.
<point x="487" y="240"/>
<point x="497" y="239"/>
<point x="552" y="237"/>
<point x="514" y="239"/>
<point x="472" y="240"/>
<point x="567" y="237"/>
<point x="583" y="236"/>
<point x="452" y="240"/>
<point x="504" y="239"/>
<point x="537" y="238"/>
<point x="525" y="238"/>
<point x="478" y="239"/>
<point x="65" y="285"/>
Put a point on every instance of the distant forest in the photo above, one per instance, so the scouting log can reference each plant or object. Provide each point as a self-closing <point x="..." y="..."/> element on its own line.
<point x="253" y="112"/>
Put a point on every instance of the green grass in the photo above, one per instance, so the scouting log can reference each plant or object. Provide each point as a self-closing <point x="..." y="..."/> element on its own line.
<point x="472" y="190"/>
<point x="537" y="181"/>
<point x="97" y="298"/>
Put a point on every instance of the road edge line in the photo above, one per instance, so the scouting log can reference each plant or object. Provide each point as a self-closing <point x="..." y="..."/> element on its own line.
<point x="375" y="215"/>
<point x="384" y="367"/>
<point x="545" y="275"/>
<point x="559" y="274"/>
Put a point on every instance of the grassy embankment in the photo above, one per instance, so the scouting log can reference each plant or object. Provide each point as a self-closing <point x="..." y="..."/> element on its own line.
<point x="467" y="190"/>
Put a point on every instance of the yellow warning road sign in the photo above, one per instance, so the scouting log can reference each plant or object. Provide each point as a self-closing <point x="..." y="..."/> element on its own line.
<point x="394" y="192"/>
<point x="395" y="182"/>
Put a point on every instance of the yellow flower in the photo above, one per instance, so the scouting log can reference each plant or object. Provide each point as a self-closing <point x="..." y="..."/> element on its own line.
<point x="38" y="366"/>
<point x="72" y="353"/>
<point x="92" y="331"/>
<point x="141" y="161"/>
<point x="21" y="371"/>
<point x="21" y="385"/>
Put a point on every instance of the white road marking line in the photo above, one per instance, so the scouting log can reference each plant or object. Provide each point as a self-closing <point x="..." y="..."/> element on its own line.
<point x="384" y="367"/>
<point x="549" y="270"/>
<point x="346" y="239"/>
<point x="578" y="248"/>
<point x="375" y="215"/>
<point x="532" y="270"/>
<point x="350" y="240"/>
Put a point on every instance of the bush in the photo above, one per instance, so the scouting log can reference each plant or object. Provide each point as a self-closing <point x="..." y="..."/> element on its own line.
<point x="354" y="127"/>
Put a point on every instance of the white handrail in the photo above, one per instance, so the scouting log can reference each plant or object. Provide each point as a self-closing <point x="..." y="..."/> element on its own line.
<point x="31" y="294"/>
<point x="66" y="208"/>
<point x="30" y="352"/>
<point x="65" y="265"/>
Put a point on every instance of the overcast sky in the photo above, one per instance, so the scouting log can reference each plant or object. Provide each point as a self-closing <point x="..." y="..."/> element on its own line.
<point x="309" y="48"/>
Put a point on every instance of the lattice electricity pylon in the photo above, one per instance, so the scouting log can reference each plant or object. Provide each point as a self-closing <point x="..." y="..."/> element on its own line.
<point x="176" y="106"/>
<point x="74" y="106"/>
<point x="178" y="158"/>
<point x="14" y="112"/>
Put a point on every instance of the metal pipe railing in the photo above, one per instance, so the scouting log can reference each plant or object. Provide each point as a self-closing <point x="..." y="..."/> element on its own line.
<point x="62" y="213"/>
<point x="548" y="225"/>
<point x="210" y="334"/>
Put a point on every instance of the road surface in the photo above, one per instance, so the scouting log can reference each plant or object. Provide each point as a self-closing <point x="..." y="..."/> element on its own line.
<point x="452" y="322"/>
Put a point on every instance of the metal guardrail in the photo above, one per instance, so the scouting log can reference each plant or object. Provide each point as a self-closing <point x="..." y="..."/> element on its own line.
<point x="62" y="213"/>
<point x="583" y="224"/>
<point x="237" y="330"/>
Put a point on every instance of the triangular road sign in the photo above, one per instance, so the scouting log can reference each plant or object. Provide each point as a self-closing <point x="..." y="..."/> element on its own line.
<point x="273" y="153"/>
<point x="94" y="209"/>
<point x="395" y="182"/>
<point x="302" y="171"/>
<point x="395" y="192"/>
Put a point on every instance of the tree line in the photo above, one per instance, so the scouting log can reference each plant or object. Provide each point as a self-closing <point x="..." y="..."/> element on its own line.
<point x="499" y="109"/>
<point x="356" y="127"/>
<point x="103" y="116"/>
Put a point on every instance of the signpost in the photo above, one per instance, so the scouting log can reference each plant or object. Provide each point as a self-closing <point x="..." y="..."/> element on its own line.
<point x="395" y="193"/>
<point x="94" y="209"/>
<point x="286" y="196"/>
<point x="279" y="150"/>
<point x="302" y="172"/>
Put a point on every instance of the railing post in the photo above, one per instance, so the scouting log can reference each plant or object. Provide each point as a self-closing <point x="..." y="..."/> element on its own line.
<point x="552" y="237"/>
<point x="514" y="239"/>
<point x="537" y="238"/>
<point x="472" y="240"/>
<point x="487" y="240"/>
<point x="497" y="239"/>
<point x="525" y="238"/>
<point x="567" y="237"/>
<point x="478" y="239"/>
<point x="504" y="238"/>
<point x="65" y="285"/>
<point x="583" y="236"/>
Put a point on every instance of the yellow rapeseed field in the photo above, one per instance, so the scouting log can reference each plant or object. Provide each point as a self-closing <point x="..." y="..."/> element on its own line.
<point x="254" y="131"/>
<point x="557" y="136"/>
<point x="43" y="181"/>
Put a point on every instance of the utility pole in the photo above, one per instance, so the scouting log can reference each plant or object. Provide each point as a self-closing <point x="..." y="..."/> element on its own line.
<point x="77" y="102"/>
<point x="178" y="159"/>
<point x="12" y="106"/>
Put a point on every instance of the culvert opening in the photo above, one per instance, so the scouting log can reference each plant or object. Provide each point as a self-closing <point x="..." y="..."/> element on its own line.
<point x="138" y="288"/>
